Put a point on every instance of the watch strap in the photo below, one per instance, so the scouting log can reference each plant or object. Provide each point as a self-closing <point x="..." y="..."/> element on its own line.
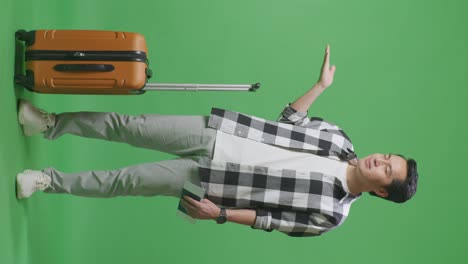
<point x="222" y="218"/>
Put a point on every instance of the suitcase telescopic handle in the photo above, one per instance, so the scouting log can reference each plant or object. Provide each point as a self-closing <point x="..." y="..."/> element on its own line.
<point x="84" y="67"/>
<point x="200" y="87"/>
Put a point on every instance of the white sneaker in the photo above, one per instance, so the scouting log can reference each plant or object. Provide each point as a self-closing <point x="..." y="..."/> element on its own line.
<point x="34" y="120"/>
<point x="30" y="181"/>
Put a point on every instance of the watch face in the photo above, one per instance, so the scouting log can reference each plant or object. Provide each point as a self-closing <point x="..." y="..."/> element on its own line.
<point x="221" y="220"/>
<point x="222" y="217"/>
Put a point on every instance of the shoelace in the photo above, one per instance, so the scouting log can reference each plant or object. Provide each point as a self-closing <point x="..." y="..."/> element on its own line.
<point x="42" y="182"/>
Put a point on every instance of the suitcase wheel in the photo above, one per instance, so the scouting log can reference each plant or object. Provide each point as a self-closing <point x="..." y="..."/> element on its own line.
<point x="20" y="79"/>
<point x="27" y="36"/>
<point x="25" y="80"/>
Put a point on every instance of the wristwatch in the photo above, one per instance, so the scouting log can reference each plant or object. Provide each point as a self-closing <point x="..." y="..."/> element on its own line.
<point x="222" y="218"/>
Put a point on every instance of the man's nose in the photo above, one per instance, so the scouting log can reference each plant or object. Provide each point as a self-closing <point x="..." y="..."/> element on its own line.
<point x="382" y="162"/>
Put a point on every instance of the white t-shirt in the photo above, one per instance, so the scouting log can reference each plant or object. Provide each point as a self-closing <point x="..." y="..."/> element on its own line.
<point x="240" y="150"/>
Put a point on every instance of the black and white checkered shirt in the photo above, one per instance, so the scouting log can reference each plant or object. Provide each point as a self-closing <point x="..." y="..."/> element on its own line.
<point x="297" y="203"/>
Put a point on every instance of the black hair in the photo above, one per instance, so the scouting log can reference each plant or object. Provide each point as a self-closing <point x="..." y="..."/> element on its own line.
<point x="401" y="191"/>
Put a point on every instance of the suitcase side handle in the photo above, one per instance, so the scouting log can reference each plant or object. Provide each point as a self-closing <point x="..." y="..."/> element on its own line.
<point x="84" y="67"/>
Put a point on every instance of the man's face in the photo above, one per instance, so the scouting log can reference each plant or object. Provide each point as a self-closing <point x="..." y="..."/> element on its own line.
<point x="379" y="170"/>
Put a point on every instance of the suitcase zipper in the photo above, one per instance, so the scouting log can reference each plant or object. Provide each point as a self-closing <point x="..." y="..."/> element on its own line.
<point x="138" y="56"/>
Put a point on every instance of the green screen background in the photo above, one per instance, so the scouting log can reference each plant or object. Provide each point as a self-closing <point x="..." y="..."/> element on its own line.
<point x="400" y="87"/>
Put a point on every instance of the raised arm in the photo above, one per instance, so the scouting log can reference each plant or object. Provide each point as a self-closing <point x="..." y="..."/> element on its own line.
<point x="303" y="103"/>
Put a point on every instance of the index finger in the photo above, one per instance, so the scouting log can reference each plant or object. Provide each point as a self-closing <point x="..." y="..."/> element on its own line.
<point x="191" y="200"/>
<point x="326" y="58"/>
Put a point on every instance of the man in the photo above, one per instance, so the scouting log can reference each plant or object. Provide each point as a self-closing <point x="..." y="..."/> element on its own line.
<point x="298" y="175"/>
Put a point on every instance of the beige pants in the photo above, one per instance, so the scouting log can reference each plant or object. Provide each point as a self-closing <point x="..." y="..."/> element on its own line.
<point x="185" y="136"/>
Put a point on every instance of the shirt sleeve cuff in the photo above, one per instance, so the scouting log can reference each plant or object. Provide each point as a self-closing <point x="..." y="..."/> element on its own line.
<point x="292" y="114"/>
<point x="263" y="220"/>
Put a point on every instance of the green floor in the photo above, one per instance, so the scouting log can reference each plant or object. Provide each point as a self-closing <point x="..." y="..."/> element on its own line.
<point x="400" y="87"/>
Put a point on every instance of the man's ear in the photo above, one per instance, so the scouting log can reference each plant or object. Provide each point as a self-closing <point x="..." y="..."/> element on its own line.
<point x="381" y="192"/>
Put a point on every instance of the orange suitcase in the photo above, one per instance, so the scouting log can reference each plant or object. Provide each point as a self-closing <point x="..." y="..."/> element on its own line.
<point x="94" y="62"/>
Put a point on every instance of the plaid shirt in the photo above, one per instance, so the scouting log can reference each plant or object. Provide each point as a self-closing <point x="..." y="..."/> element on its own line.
<point x="297" y="203"/>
